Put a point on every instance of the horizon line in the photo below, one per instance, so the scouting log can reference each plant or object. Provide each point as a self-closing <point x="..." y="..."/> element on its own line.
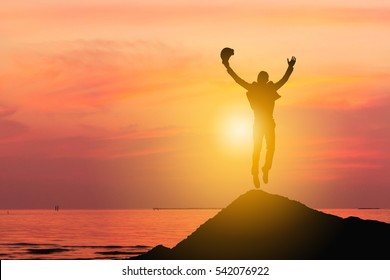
<point x="179" y="208"/>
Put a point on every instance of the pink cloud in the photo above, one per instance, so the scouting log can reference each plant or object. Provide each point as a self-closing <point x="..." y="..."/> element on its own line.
<point x="340" y="144"/>
<point x="66" y="94"/>
<point x="6" y="111"/>
<point x="10" y="129"/>
<point x="84" y="75"/>
<point x="97" y="145"/>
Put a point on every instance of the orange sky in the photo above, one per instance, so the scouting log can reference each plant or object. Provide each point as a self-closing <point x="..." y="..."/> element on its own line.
<point x="125" y="104"/>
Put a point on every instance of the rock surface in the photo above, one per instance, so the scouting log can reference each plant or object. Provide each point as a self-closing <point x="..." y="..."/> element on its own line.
<point x="258" y="225"/>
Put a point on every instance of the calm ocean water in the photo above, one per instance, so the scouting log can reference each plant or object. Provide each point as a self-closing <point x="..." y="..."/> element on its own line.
<point x="109" y="234"/>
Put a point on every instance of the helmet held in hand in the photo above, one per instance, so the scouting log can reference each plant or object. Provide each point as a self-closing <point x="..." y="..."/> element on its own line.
<point x="226" y="53"/>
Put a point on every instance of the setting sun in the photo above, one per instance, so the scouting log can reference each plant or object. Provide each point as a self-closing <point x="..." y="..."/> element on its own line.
<point x="235" y="126"/>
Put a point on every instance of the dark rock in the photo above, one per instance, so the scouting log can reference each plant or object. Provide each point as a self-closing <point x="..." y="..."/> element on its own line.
<point x="159" y="252"/>
<point x="259" y="225"/>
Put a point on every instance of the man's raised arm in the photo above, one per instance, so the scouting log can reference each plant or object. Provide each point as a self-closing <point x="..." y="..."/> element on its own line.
<point x="238" y="80"/>
<point x="287" y="75"/>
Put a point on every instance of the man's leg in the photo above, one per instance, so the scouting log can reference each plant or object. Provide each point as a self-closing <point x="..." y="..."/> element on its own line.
<point x="257" y="143"/>
<point x="270" y="142"/>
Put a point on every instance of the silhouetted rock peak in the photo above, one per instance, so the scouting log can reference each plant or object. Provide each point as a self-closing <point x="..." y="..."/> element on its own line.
<point x="259" y="225"/>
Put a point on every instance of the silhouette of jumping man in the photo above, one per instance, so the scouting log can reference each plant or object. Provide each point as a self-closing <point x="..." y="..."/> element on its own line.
<point x="262" y="96"/>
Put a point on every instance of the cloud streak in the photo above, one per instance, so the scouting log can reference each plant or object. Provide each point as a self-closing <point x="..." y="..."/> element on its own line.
<point x="93" y="73"/>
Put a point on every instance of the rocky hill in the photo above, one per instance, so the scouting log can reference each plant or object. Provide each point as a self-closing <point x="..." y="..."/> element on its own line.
<point x="259" y="225"/>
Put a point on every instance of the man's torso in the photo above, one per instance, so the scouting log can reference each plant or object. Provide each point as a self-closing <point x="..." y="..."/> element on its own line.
<point x="262" y="100"/>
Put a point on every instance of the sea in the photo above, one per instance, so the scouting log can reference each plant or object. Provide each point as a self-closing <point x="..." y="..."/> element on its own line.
<point x="110" y="234"/>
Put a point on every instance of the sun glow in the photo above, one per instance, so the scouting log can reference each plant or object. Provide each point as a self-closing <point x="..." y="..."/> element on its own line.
<point x="236" y="130"/>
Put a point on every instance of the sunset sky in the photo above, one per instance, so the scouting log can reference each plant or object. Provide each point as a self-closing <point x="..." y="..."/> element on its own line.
<point x="125" y="104"/>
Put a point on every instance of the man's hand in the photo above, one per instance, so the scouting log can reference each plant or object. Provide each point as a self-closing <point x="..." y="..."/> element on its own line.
<point x="292" y="61"/>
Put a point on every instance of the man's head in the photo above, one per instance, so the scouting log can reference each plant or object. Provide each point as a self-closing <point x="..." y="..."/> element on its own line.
<point x="263" y="77"/>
